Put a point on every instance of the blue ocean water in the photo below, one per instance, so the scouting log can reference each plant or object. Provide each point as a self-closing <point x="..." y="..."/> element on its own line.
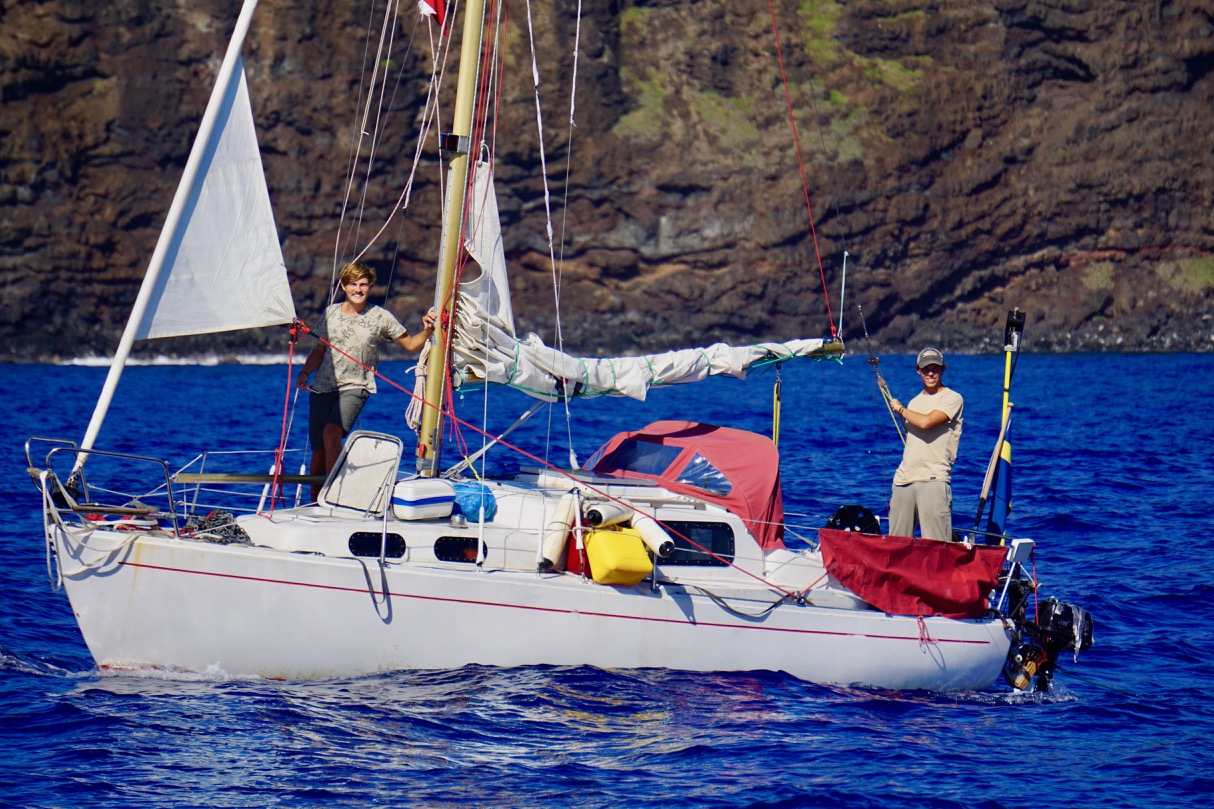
<point x="1114" y="476"/>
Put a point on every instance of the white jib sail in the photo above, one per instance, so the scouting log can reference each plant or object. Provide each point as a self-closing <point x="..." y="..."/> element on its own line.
<point x="238" y="278"/>
<point x="223" y="266"/>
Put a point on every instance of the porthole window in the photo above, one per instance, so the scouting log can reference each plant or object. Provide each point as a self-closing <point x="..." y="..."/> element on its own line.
<point x="369" y="543"/>
<point x="457" y="549"/>
<point x="716" y="537"/>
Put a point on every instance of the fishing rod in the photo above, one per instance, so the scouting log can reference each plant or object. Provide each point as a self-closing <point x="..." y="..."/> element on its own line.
<point x="875" y="362"/>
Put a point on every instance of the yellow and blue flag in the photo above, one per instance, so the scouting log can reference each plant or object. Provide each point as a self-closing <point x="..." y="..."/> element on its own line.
<point x="1001" y="491"/>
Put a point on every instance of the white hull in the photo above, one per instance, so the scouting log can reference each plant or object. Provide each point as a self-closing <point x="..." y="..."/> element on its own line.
<point x="150" y="601"/>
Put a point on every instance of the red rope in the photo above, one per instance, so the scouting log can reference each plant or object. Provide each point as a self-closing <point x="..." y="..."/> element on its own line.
<point x="480" y="123"/>
<point x="276" y="483"/>
<point x="925" y="636"/>
<point x="801" y="167"/>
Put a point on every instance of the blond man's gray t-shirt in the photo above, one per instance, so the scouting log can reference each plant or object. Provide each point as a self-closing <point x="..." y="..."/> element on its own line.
<point x="356" y="335"/>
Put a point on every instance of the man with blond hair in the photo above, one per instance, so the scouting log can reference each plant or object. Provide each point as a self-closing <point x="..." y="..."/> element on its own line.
<point x="345" y="377"/>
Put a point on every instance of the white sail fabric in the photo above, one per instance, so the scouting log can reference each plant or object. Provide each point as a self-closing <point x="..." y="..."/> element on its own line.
<point x="223" y="267"/>
<point x="483" y="240"/>
<point x="486" y="353"/>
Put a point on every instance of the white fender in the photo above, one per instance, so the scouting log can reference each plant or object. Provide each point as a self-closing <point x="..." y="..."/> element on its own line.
<point x="603" y="514"/>
<point x="653" y="535"/>
<point x="557" y="531"/>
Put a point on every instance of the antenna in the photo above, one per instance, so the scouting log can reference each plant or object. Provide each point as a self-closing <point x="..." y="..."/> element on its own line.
<point x="842" y="292"/>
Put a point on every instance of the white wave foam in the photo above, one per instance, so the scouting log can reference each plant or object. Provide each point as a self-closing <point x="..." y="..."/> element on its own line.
<point x="200" y="360"/>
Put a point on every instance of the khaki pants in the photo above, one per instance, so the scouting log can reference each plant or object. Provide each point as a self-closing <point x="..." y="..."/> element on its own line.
<point x="929" y="503"/>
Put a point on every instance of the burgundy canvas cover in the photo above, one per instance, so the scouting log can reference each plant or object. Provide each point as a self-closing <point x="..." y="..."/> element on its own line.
<point x="905" y="576"/>
<point x="748" y="460"/>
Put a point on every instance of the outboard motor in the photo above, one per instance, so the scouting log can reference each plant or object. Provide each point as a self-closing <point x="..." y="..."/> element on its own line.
<point x="1059" y="628"/>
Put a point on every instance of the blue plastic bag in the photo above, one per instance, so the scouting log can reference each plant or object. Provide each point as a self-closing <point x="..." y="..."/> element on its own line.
<point x="471" y="496"/>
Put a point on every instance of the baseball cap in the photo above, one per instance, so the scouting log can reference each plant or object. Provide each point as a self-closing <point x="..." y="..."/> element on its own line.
<point x="929" y="356"/>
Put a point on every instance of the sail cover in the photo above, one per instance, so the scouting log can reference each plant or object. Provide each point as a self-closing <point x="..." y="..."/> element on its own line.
<point x="735" y="469"/>
<point x="223" y="267"/>
<point x="486" y="349"/>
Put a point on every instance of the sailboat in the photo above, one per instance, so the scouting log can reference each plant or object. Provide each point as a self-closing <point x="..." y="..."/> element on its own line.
<point x="666" y="549"/>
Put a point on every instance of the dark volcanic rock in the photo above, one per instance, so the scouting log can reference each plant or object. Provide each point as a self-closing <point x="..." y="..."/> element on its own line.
<point x="969" y="157"/>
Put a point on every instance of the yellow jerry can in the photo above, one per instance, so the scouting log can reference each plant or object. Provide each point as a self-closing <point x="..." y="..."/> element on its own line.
<point x="617" y="556"/>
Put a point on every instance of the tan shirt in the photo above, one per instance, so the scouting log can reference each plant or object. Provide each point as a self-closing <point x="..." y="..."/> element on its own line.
<point x="929" y="454"/>
<point x="359" y="336"/>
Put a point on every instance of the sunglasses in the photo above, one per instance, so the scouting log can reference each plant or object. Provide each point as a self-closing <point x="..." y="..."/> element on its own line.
<point x="932" y="369"/>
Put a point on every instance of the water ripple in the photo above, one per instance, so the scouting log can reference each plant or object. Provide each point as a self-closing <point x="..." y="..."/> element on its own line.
<point x="1114" y="493"/>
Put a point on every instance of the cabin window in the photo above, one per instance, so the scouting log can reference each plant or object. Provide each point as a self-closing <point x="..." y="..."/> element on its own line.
<point x="643" y="457"/>
<point x="457" y="549"/>
<point x="700" y="473"/>
<point x="369" y="543"/>
<point x="713" y="536"/>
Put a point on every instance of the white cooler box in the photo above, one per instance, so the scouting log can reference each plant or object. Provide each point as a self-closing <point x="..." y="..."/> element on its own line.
<point x="422" y="499"/>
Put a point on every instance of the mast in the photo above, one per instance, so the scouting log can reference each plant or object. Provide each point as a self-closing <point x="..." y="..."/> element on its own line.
<point x="439" y="362"/>
<point x="202" y="143"/>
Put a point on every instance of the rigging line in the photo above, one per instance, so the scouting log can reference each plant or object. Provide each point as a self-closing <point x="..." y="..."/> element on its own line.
<point x="388" y="33"/>
<point x="485" y="440"/>
<point x="548" y="438"/>
<point x="818" y="117"/>
<point x="801" y="167"/>
<point x="483" y="135"/>
<point x="381" y="125"/>
<point x="477" y="141"/>
<point x="392" y="211"/>
<point x="287" y="413"/>
<point x="556" y="285"/>
<point x="448" y="303"/>
<point x="490" y="45"/>
<point x="493" y="65"/>
<point x="882" y="387"/>
<point x="352" y="163"/>
<point x="484" y="123"/>
<point x="503" y="23"/>
<point x="430" y="121"/>
<point x="723" y="604"/>
<point x="493" y="30"/>
<point x="476" y="136"/>
<point x="558" y="268"/>
<point x="469" y="461"/>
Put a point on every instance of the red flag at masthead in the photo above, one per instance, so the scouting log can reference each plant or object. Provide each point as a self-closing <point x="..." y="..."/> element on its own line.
<point x="432" y="8"/>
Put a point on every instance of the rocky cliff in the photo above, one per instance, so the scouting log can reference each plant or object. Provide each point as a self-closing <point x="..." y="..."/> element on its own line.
<point x="1055" y="155"/>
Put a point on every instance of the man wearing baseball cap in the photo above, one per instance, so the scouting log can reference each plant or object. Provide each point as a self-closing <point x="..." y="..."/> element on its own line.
<point x="923" y="490"/>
